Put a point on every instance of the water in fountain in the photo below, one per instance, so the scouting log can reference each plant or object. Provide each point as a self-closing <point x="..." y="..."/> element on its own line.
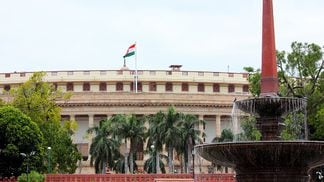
<point x="293" y="109"/>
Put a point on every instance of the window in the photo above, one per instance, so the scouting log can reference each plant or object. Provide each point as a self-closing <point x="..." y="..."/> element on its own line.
<point x="245" y="88"/>
<point x="185" y="87"/>
<point x="139" y="86"/>
<point x="69" y="86"/>
<point x="152" y="86"/>
<point x="70" y="73"/>
<point x="102" y="86"/>
<point x="230" y="74"/>
<point x="169" y="73"/>
<point x="185" y="73"/>
<point x="168" y="87"/>
<point x="216" y="74"/>
<point x="7" y="88"/>
<point x="200" y="73"/>
<point x="216" y="87"/>
<point x="7" y="75"/>
<point x="53" y="73"/>
<point x="245" y="75"/>
<point x="22" y="74"/>
<point x="55" y="86"/>
<point x="86" y="72"/>
<point x="86" y="86"/>
<point x="201" y="87"/>
<point x="140" y="72"/>
<point x="119" y="86"/>
<point x="231" y="88"/>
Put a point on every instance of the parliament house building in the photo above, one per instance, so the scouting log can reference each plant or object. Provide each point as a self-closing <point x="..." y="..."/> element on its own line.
<point x="100" y="94"/>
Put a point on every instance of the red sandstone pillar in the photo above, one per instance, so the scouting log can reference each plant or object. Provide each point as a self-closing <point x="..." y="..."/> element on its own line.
<point x="269" y="75"/>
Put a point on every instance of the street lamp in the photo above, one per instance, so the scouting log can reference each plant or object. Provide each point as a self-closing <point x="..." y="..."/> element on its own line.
<point x="27" y="156"/>
<point x="49" y="170"/>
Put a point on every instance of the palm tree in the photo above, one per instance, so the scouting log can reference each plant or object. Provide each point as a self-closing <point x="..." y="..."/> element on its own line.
<point x="150" y="164"/>
<point x="103" y="148"/>
<point x="132" y="130"/>
<point x="171" y="133"/>
<point x="155" y="137"/>
<point x="190" y="136"/>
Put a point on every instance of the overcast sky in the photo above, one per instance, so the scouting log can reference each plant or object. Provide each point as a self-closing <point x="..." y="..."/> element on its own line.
<point x="205" y="35"/>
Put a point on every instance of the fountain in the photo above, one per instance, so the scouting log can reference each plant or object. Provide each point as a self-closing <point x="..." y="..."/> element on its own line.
<point x="270" y="159"/>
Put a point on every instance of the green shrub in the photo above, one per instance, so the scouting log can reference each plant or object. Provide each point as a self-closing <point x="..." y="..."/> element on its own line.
<point x="33" y="176"/>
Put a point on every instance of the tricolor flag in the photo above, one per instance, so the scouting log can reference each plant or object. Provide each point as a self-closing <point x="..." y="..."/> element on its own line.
<point x="130" y="51"/>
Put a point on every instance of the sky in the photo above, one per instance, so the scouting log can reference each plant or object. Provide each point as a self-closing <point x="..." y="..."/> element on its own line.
<point x="204" y="35"/>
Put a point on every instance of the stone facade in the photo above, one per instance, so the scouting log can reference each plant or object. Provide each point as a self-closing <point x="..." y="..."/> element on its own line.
<point x="99" y="94"/>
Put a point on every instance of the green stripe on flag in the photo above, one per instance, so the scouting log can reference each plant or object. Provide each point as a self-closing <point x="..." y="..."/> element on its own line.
<point x="129" y="54"/>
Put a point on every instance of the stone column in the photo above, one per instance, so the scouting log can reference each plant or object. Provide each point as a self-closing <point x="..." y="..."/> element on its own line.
<point x="72" y="117"/>
<point x="91" y="120"/>
<point x="218" y="125"/>
<point x="90" y="136"/>
<point x="201" y="126"/>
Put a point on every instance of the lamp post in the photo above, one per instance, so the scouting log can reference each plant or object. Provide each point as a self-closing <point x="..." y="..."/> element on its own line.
<point x="49" y="170"/>
<point x="27" y="156"/>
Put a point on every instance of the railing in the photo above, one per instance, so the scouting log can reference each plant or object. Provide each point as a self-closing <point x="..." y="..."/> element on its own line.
<point x="11" y="179"/>
<point x="138" y="177"/>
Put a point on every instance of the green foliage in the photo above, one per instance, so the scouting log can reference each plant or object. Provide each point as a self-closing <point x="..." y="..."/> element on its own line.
<point x="150" y="163"/>
<point x="294" y="123"/>
<point x="18" y="134"/>
<point x="226" y="136"/>
<point x="129" y="128"/>
<point x="33" y="176"/>
<point x="190" y="136"/>
<point x="254" y="80"/>
<point x="250" y="132"/>
<point x="300" y="74"/>
<point x="36" y="99"/>
<point x="104" y="148"/>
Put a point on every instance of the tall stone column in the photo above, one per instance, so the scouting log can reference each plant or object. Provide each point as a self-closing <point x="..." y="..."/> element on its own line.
<point x="218" y="126"/>
<point x="90" y="125"/>
<point x="201" y="126"/>
<point x="72" y="117"/>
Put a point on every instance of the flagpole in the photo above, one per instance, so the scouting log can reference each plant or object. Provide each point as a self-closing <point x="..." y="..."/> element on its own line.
<point x="136" y="76"/>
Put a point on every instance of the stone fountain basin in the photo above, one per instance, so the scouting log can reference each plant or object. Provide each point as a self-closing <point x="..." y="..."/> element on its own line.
<point x="265" y="156"/>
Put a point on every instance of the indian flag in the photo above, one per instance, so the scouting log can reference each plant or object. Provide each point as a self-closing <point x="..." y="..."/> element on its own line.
<point x="130" y="51"/>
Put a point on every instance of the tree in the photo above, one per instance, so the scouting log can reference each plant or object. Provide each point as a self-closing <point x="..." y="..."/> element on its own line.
<point x="254" y="80"/>
<point x="155" y="137"/>
<point x="150" y="165"/>
<point x="132" y="129"/>
<point x="250" y="132"/>
<point x="18" y="134"/>
<point x="300" y="74"/>
<point x="226" y="136"/>
<point x="170" y="131"/>
<point x="37" y="99"/>
<point x="190" y="136"/>
<point x="104" y="147"/>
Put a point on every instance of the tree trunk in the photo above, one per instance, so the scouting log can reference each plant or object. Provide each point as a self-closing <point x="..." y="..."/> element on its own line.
<point x="126" y="157"/>
<point x="189" y="158"/>
<point x="170" y="157"/>
<point x="131" y="160"/>
<point x="157" y="167"/>
<point x="126" y="162"/>
<point x="103" y="170"/>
